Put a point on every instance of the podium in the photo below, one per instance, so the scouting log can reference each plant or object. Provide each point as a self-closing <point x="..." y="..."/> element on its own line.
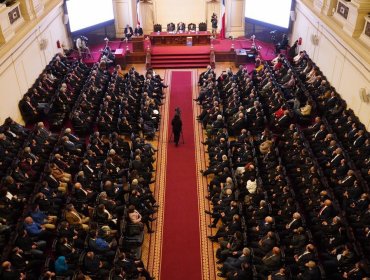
<point x="189" y="41"/>
<point x="137" y="43"/>
<point x="242" y="56"/>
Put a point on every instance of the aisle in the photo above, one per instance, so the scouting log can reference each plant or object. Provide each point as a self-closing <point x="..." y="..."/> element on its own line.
<point x="181" y="253"/>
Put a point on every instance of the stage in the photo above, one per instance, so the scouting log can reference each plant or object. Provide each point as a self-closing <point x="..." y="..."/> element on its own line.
<point x="237" y="50"/>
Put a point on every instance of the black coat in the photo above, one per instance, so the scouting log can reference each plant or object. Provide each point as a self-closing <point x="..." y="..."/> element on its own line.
<point x="176" y="124"/>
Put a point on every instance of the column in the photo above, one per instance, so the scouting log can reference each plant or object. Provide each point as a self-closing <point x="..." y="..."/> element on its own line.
<point x="6" y="30"/>
<point x="358" y="9"/>
<point x="327" y="7"/>
<point x="213" y="7"/>
<point x="123" y="15"/>
<point x="235" y="18"/>
<point x="365" y="35"/>
<point x="31" y="8"/>
<point x="146" y="12"/>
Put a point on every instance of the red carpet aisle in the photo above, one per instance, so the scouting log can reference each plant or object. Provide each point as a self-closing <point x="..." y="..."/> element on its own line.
<point x="181" y="253"/>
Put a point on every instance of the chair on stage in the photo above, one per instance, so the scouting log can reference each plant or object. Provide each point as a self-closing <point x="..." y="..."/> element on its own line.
<point x="181" y="27"/>
<point x="192" y="27"/>
<point x="157" y="28"/>
<point x="202" y="26"/>
<point x="171" y="27"/>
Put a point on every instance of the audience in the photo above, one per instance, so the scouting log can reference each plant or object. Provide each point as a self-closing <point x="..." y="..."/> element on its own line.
<point x="288" y="169"/>
<point x="298" y="185"/>
<point x="80" y="190"/>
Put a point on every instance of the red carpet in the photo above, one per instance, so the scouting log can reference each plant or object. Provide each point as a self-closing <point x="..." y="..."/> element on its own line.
<point x="181" y="241"/>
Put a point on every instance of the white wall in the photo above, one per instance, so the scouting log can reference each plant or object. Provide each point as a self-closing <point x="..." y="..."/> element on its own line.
<point x="189" y="11"/>
<point x="344" y="69"/>
<point x="176" y="11"/>
<point x="20" y="67"/>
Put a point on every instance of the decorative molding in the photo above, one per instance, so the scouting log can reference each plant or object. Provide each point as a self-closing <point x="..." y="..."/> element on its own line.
<point x="343" y="10"/>
<point x="14" y="15"/>
<point x="43" y="44"/>
<point x="365" y="35"/>
<point x="367" y="29"/>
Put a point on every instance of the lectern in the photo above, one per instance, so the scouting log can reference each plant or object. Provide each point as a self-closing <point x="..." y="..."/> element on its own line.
<point x="137" y="43"/>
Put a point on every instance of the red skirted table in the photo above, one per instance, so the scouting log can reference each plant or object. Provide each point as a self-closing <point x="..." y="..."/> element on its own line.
<point x="167" y="38"/>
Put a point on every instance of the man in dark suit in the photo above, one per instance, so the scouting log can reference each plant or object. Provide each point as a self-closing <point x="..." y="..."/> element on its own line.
<point x="243" y="273"/>
<point x="298" y="241"/>
<point x="70" y="146"/>
<point x="278" y="275"/>
<point x="270" y="262"/>
<point x="265" y="244"/>
<point x="283" y="44"/>
<point x="132" y="267"/>
<point x="10" y="273"/>
<point x="232" y="263"/>
<point x="326" y="211"/>
<point x="93" y="264"/>
<point x="336" y="158"/>
<point x="302" y="258"/>
<point x="29" y="112"/>
<point x="138" y="30"/>
<point x="310" y="272"/>
<point x="284" y="120"/>
<point x="128" y="32"/>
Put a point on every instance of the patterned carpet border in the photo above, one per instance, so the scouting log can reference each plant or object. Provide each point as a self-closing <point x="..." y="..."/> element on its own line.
<point x="207" y="252"/>
<point x="155" y="249"/>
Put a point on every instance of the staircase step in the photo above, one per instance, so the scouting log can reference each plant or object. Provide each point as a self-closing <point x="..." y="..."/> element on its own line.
<point x="174" y="57"/>
<point x="180" y="61"/>
<point x="182" y="65"/>
<point x="181" y="55"/>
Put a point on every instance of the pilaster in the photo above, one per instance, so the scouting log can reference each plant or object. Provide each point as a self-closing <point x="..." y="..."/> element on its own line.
<point x="6" y="30"/>
<point x="123" y="15"/>
<point x="355" y="23"/>
<point x="31" y="9"/>
<point x="365" y="35"/>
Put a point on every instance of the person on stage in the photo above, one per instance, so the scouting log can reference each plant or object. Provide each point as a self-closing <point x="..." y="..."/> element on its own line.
<point x="214" y="25"/>
<point x="106" y="54"/>
<point x="138" y="30"/>
<point x="128" y="32"/>
<point x="176" y="126"/>
<point x="282" y="45"/>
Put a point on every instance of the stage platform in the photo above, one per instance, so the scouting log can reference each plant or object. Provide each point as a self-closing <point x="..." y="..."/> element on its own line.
<point x="177" y="56"/>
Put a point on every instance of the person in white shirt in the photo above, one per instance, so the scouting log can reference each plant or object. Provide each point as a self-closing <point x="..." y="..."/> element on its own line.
<point x="252" y="185"/>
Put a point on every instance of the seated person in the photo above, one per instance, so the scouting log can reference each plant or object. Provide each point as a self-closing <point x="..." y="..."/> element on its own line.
<point x="282" y="45"/>
<point x="171" y="27"/>
<point x="138" y="30"/>
<point x="128" y="32"/>
<point x="192" y="27"/>
<point x="304" y="111"/>
<point x="107" y="55"/>
<point x="181" y="27"/>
